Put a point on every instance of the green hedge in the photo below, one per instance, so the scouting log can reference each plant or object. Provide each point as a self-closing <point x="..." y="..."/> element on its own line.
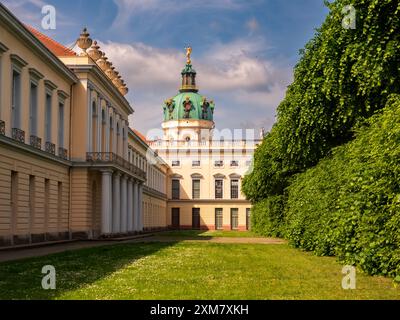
<point x="267" y="217"/>
<point x="349" y="204"/>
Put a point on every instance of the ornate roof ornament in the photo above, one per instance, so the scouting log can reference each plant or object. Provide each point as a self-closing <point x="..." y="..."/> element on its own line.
<point x="103" y="62"/>
<point x="84" y="42"/>
<point x="117" y="82"/>
<point x="111" y="73"/>
<point x="94" y="52"/>
<point x="124" y="90"/>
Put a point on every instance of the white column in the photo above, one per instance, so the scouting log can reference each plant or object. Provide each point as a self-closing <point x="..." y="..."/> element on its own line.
<point x="135" y="206"/>
<point x="140" y="204"/>
<point x="130" y="206"/>
<point x="106" y="202"/>
<point x="116" y="204"/>
<point x="124" y="205"/>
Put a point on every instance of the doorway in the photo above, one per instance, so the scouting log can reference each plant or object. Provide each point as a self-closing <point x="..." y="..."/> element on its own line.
<point x="176" y="218"/>
<point x="196" y="218"/>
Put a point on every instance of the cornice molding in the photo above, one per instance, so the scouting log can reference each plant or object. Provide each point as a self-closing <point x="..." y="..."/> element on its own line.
<point x="36" y="75"/>
<point x="18" y="61"/>
<point x="50" y="85"/>
<point x="3" y="48"/>
<point x="103" y="79"/>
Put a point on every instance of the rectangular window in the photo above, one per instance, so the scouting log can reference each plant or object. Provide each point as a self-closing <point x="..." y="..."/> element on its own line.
<point x="196" y="163"/>
<point x="196" y="189"/>
<point x="218" y="164"/>
<point x="61" y="125"/>
<point x="219" y="219"/>
<point x="248" y="218"/>
<point x="234" y="189"/>
<point x="234" y="163"/>
<point x="176" y="186"/>
<point x="14" y="201"/>
<point x="219" y="189"/>
<point x="235" y="219"/>
<point x="59" y="205"/>
<point x="46" y="203"/>
<point x="48" y="119"/>
<point x="176" y="163"/>
<point x="196" y="223"/>
<point x="175" y="218"/>
<point x="33" y="109"/>
<point x="32" y="202"/>
<point x="16" y="99"/>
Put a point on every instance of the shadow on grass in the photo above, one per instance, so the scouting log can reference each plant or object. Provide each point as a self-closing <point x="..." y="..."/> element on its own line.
<point x="189" y="234"/>
<point x="21" y="280"/>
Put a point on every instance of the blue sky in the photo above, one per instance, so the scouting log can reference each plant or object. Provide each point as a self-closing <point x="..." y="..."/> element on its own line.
<point x="243" y="50"/>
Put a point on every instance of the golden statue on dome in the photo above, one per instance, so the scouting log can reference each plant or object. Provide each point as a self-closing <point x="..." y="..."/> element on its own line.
<point x="189" y="54"/>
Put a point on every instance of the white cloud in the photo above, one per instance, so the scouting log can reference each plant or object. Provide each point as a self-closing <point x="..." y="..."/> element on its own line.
<point x="127" y="9"/>
<point x="245" y="86"/>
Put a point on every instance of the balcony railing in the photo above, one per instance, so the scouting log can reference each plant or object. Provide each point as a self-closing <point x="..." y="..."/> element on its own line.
<point x="18" y="135"/>
<point x="2" y="128"/>
<point x="63" y="153"/>
<point x="109" y="158"/>
<point x="50" y="148"/>
<point x="36" y="142"/>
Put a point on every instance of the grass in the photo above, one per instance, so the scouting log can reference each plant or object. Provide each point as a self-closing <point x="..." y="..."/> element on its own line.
<point x="188" y="271"/>
<point x="209" y="234"/>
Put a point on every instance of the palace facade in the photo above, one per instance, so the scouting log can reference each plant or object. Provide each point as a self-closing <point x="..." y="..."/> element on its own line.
<point x="72" y="168"/>
<point x="206" y="165"/>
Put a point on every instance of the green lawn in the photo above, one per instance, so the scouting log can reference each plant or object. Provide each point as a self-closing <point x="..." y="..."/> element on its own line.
<point x="188" y="271"/>
<point x="211" y="234"/>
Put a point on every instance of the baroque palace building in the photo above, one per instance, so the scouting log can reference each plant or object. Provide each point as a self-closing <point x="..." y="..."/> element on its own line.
<point x="206" y="165"/>
<point x="72" y="168"/>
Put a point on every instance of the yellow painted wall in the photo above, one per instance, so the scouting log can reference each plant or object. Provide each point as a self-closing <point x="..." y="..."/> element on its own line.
<point x="31" y="217"/>
<point x="207" y="213"/>
<point x="34" y="61"/>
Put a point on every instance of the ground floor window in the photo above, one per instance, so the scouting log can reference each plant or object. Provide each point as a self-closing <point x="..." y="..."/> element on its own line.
<point x="175" y="219"/>
<point x="195" y="218"/>
<point x="235" y="219"/>
<point x="248" y="218"/>
<point x="219" y="219"/>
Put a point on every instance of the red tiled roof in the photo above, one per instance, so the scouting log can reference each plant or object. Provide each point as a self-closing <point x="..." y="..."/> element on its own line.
<point x="140" y="135"/>
<point x="55" y="47"/>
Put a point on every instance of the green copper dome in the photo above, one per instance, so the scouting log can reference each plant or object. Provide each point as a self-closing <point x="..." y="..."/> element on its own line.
<point x="189" y="104"/>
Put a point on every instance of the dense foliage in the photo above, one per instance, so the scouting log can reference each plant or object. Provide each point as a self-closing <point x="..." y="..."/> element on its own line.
<point x="343" y="78"/>
<point x="349" y="204"/>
